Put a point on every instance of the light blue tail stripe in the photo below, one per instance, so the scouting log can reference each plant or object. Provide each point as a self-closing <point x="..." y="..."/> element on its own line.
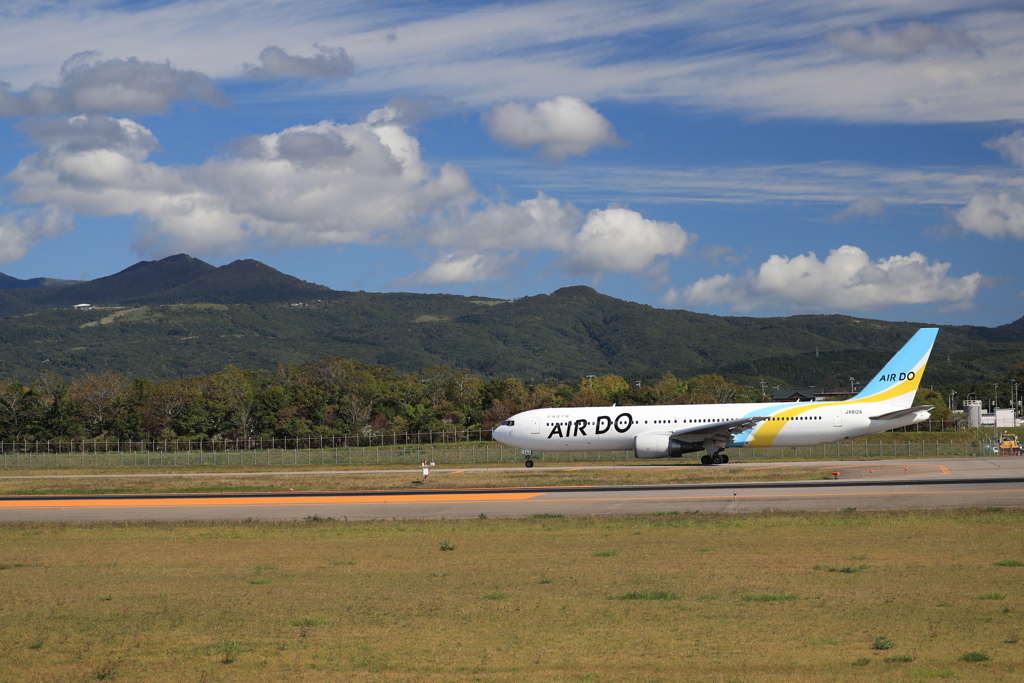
<point x="909" y="357"/>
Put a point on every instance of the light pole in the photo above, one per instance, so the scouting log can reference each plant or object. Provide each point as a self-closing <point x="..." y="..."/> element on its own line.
<point x="995" y="407"/>
<point x="1014" y="394"/>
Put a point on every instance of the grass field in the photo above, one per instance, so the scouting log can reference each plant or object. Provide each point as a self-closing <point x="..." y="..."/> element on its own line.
<point x="843" y="596"/>
<point x="469" y="478"/>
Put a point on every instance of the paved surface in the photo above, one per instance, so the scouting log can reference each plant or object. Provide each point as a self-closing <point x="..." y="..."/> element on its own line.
<point x="910" y="484"/>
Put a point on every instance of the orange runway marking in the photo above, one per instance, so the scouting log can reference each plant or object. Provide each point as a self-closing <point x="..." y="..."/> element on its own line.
<point x="457" y="472"/>
<point x="303" y="500"/>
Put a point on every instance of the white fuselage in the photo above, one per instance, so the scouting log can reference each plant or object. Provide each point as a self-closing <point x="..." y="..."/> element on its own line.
<point x="615" y="428"/>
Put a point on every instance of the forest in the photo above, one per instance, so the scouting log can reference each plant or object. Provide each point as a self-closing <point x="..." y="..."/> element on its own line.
<point x="332" y="397"/>
<point x="335" y="397"/>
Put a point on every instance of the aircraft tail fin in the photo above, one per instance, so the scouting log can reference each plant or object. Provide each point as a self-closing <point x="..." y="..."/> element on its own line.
<point x="897" y="383"/>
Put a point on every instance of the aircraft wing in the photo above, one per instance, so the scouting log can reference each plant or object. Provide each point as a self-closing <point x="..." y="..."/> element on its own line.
<point x="717" y="430"/>
<point x="901" y="413"/>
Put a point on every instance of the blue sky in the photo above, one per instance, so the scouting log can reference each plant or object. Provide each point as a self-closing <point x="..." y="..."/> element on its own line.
<point x="732" y="157"/>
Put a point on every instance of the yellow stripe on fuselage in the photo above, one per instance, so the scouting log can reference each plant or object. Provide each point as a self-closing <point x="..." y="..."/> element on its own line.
<point x="766" y="432"/>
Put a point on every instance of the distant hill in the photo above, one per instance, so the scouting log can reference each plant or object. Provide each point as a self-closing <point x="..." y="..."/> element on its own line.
<point x="175" y="279"/>
<point x="243" y="281"/>
<point x="1016" y="326"/>
<point x="8" y="282"/>
<point x="181" y="316"/>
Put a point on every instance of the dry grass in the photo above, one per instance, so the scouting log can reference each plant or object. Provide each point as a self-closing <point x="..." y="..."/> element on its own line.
<point x="512" y="477"/>
<point x="516" y="600"/>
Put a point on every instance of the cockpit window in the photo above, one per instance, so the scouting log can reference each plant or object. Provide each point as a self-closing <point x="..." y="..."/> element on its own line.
<point x="508" y="423"/>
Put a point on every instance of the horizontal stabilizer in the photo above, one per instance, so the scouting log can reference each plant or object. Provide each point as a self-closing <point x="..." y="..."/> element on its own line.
<point x="896" y="414"/>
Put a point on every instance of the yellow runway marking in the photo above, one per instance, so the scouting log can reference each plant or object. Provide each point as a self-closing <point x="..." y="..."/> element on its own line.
<point x="304" y="500"/>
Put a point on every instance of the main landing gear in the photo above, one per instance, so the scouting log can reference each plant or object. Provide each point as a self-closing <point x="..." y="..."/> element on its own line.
<point x="715" y="459"/>
<point x="529" y="459"/>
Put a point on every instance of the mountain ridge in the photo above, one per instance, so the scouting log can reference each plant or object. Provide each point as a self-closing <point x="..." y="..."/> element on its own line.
<point x="181" y="316"/>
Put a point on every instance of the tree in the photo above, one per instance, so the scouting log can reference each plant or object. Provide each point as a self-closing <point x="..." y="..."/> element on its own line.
<point x="101" y="398"/>
<point x="61" y="418"/>
<point x="715" y="389"/>
<point x="231" y="393"/>
<point x="669" y="390"/>
<point x="166" y="406"/>
<point x="19" y="407"/>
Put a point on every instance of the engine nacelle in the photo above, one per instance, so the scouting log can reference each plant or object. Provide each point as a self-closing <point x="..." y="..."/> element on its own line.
<point x="661" y="446"/>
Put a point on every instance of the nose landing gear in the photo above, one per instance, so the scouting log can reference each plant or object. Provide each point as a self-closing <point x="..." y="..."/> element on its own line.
<point x="529" y="458"/>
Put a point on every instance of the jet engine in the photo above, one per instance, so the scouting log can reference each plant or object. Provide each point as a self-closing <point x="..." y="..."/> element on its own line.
<point x="662" y="446"/>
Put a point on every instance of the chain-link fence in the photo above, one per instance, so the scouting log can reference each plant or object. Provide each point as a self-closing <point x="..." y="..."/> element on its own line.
<point x="95" y="453"/>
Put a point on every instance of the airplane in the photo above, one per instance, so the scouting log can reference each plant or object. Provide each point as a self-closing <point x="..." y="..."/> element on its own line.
<point x="670" y="431"/>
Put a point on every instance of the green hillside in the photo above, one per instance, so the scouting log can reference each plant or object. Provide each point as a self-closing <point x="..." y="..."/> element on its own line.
<point x="566" y="335"/>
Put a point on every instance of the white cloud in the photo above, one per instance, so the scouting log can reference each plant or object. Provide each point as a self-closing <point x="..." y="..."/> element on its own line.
<point x="453" y="268"/>
<point x="993" y="215"/>
<point x="20" y="231"/>
<point x="618" y="240"/>
<point x="328" y="183"/>
<point x="824" y="182"/>
<point x="530" y="225"/>
<point x="87" y="85"/>
<point x="865" y="206"/>
<point x="323" y="184"/>
<point x="911" y="38"/>
<point x="331" y="62"/>
<point x="765" y="58"/>
<point x="1010" y="146"/>
<point x="560" y="126"/>
<point x="846" y="280"/>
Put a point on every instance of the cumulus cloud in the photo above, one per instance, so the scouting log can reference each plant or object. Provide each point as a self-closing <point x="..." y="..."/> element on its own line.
<point x="331" y="62"/>
<point x="846" y="280"/>
<point x="327" y="183"/>
<point x="532" y="224"/>
<point x="322" y="184"/>
<point x="865" y="206"/>
<point x="20" y="231"/>
<point x="1010" y="146"/>
<point x="910" y="39"/>
<point x="88" y="85"/>
<point x="619" y="240"/>
<point x="560" y="126"/>
<point x="484" y="242"/>
<point x="454" y="268"/>
<point x="997" y="214"/>
<point x="993" y="215"/>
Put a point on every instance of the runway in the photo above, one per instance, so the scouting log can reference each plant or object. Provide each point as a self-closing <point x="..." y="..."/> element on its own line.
<point x="872" y="485"/>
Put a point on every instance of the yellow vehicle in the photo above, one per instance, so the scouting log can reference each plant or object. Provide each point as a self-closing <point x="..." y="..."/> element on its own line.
<point x="1009" y="445"/>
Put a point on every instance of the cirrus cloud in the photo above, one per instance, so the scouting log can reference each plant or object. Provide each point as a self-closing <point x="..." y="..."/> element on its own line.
<point x="912" y="38"/>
